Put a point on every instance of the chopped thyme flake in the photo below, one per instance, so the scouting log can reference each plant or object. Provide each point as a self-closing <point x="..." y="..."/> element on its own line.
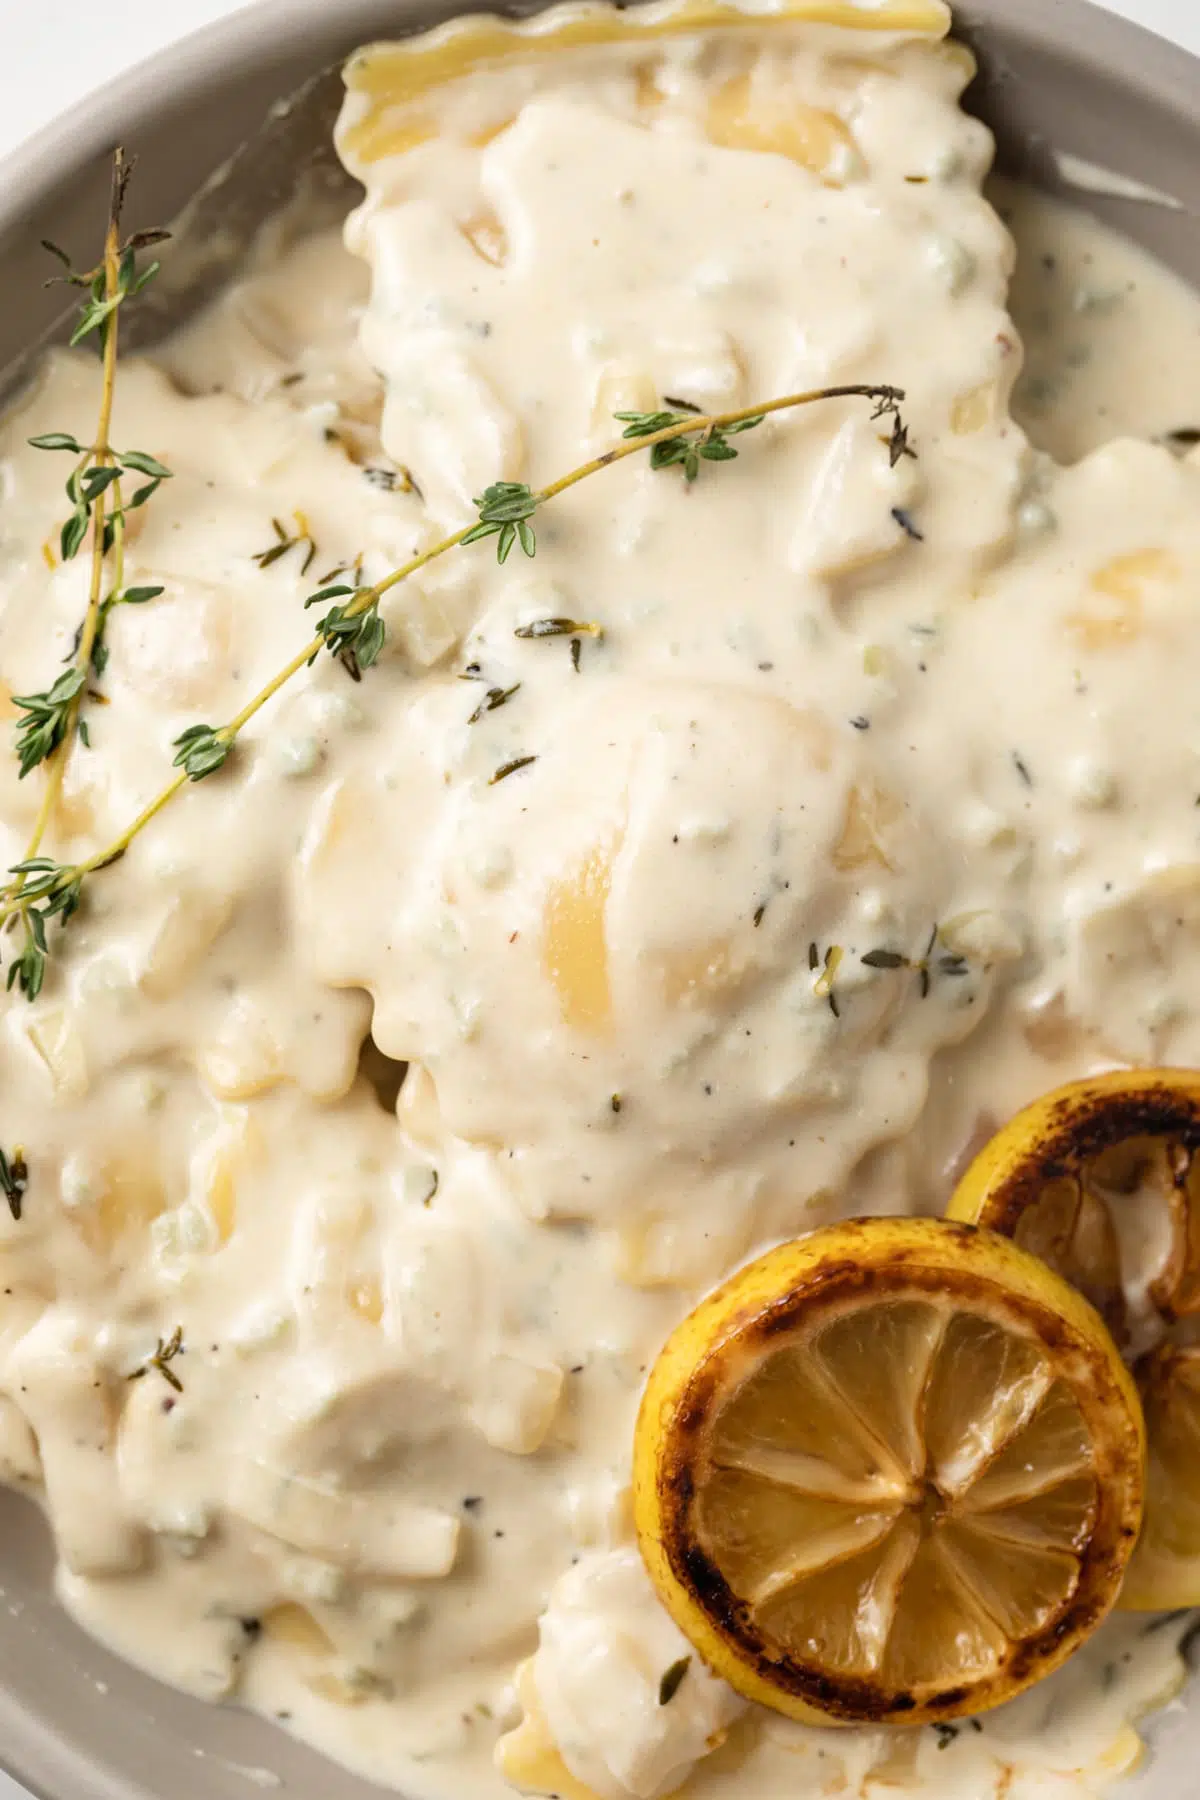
<point x="510" y="768"/>
<point x="861" y="722"/>
<point x="884" y="959"/>
<point x="904" y="520"/>
<point x="434" y="1183"/>
<point x="672" y="1680"/>
<point x="576" y="653"/>
<point x="759" y="913"/>
<point x="14" y="1179"/>
<point x="946" y="1734"/>
<point x="547" y="628"/>
<point x="615" y="1103"/>
<point x="814" y="957"/>
<point x="1022" y="768"/>
<point x="491" y="700"/>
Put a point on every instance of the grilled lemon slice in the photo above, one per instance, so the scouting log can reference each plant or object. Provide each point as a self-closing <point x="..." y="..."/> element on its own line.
<point x="1101" y="1179"/>
<point x="891" y="1471"/>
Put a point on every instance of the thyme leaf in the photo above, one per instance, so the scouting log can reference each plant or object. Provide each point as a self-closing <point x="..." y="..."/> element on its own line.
<point x="47" y="720"/>
<point x="505" y="509"/>
<point x="672" y="1680"/>
<point x="200" y="750"/>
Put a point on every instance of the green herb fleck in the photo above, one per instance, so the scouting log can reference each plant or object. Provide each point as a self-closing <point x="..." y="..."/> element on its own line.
<point x="672" y="1680"/>
<point x="510" y="768"/>
<point x="491" y="700"/>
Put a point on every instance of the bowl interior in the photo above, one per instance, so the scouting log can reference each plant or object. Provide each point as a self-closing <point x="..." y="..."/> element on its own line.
<point x="1055" y="74"/>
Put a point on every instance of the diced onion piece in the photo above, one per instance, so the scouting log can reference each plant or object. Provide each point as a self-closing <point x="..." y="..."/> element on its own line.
<point x="518" y="1404"/>
<point x="53" y="1034"/>
<point x="375" y="1534"/>
<point x="1115" y="614"/>
<point x="295" y="1625"/>
<point x="70" y="1406"/>
<point x="871" y="813"/>
<point x="187" y="930"/>
<point x="486" y="235"/>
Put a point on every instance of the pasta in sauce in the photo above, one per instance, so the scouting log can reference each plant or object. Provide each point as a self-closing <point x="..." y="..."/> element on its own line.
<point x="833" y="700"/>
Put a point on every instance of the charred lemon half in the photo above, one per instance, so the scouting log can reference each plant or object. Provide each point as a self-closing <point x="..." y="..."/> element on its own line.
<point x="891" y="1472"/>
<point x="1101" y="1179"/>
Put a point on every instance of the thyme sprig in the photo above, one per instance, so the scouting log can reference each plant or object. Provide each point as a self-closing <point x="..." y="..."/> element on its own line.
<point x="353" y="624"/>
<point x="49" y="722"/>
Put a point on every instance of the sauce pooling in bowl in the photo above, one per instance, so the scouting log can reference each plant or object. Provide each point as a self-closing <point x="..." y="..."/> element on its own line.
<point x="848" y="826"/>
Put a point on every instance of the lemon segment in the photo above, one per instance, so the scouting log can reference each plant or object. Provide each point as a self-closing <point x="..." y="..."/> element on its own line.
<point x="1060" y="1175"/>
<point x="1101" y="1179"/>
<point x="889" y="1472"/>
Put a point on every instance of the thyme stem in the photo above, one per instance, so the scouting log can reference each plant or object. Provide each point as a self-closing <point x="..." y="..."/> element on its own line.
<point x="101" y="457"/>
<point x="702" y="425"/>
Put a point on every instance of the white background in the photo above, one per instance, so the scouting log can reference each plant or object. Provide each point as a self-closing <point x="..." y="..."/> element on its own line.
<point x="54" y="51"/>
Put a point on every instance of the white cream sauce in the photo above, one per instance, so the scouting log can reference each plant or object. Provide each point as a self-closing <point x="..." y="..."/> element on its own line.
<point x="413" y="1347"/>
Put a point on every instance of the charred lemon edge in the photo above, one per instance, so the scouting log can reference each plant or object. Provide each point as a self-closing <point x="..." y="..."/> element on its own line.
<point x="1050" y="1137"/>
<point x="828" y="1269"/>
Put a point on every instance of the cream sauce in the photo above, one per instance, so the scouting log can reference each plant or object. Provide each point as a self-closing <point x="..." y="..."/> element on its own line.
<point x="413" y="1348"/>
